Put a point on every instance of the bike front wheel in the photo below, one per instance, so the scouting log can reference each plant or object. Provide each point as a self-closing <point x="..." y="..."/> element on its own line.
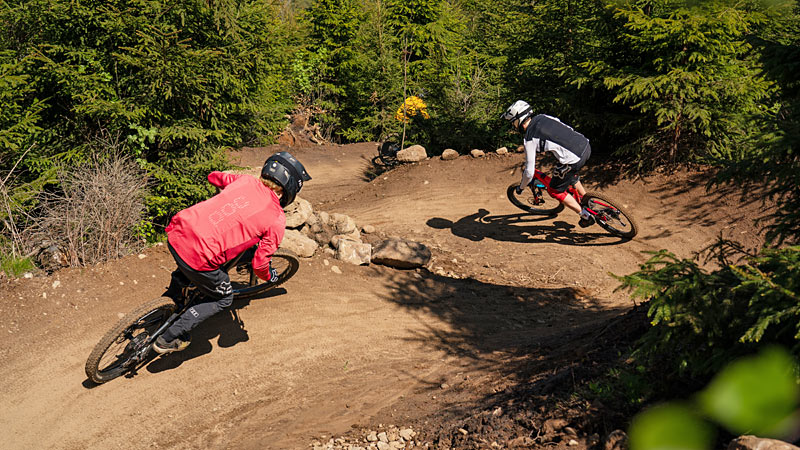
<point x="247" y="284"/>
<point x="611" y="217"/>
<point x="122" y="348"/>
<point x="538" y="203"/>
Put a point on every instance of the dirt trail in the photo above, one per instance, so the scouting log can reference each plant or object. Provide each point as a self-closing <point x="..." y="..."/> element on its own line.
<point x="330" y="351"/>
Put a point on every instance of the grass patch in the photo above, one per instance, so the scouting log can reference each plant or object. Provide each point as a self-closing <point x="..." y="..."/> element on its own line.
<point x="16" y="266"/>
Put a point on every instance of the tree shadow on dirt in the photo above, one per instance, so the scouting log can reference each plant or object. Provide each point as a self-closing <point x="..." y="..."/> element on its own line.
<point x="727" y="207"/>
<point x="532" y="339"/>
<point x="522" y="228"/>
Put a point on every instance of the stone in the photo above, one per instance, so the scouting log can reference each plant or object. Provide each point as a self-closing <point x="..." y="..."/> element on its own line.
<point x="616" y="440"/>
<point x="367" y="229"/>
<point x="407" y="434"/>
<point x="449" y="155"/>
<point x="502" y="151"/>
<point x="298" y="212"/>
<point x="52" y="257"/>
<point x="353" y="252"/>
<point x="401" y="253"/>
<point x="300" y="244"/>
<point x="415" y="153"/>
<point x="748" y="442"/>
<point x="342" y="223"/>
<point x="477" y="153"/>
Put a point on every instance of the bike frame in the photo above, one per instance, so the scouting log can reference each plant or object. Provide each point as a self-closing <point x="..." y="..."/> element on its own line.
<point x="544" y="182"/>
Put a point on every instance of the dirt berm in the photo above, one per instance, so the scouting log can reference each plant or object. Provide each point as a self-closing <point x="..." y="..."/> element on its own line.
<point x="332" y="353"/>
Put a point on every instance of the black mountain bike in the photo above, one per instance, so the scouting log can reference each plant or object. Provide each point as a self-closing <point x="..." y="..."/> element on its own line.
<point x="387" y="155"/>
<point x="128" y="345"/>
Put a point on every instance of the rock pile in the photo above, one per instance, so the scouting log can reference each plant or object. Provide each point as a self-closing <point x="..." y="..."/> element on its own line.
<point x="338" y="235"/>
<point x="384" y="438"/>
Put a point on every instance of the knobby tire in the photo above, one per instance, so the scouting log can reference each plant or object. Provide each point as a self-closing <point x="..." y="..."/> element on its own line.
<point x="137" y="326"/>
<point x="524" y="201"/>
<point x="284" y="261"/>
<point x="612" y="218"/>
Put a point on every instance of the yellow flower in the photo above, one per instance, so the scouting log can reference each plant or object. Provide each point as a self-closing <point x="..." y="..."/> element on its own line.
<point x="411" y="107"/>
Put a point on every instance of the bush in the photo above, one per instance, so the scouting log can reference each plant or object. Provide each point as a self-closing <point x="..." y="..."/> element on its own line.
<point x="96" y="215"/>
<point x="702" y="320"/>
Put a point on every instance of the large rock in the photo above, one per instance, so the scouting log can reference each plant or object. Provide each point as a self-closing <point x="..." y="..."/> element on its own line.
<point x="755" y="443"/>
<point x="299" y="243"/>
<point x="401" y="253"/>
<point x="353" y="252"/>
<point x="414" y="153"/>
<point x="51" y="256"/>
<point x="298" y="212"/>
<point x="318" y="228"/>
<point x="616" y="440"/>
<point x="342" y="224"/>
<point x="449" y="154"/>
<point x="477" y="153"/>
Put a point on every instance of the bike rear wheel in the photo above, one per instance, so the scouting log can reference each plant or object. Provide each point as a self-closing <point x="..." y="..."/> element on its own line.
<point x="116" y="352"/>
<point x="540" y="204"/>
<point x="247" y="284"/>
<point x="611" y="217"/>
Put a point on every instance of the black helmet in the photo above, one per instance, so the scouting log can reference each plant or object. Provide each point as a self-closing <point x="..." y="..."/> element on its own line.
<point x="285" y="170"/>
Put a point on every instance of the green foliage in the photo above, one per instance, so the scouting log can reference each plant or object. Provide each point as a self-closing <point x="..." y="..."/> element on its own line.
<point x="15" y="266"/>
<point x="670" y="426"/>
<point x="753" y="395"/>
<point x="624" y="386"/>
<point x="702" y="320"/>
<point x="777" y="160"/>
<point x="685" y="69"/>
<point x="172" y="83"/>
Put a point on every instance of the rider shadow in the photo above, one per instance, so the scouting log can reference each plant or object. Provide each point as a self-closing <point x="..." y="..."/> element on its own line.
<point x="522" y="228"/>
<point x="226" y="326"/>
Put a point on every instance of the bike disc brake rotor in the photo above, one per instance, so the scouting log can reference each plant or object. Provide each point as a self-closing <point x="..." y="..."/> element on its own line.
<point x="609" y="216"/>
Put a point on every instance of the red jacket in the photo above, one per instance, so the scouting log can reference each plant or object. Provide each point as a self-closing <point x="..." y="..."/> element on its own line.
<point x="214" y="231"/>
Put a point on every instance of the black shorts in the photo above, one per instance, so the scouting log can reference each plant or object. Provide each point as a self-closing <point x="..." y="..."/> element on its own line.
<point x="565" y="175"/>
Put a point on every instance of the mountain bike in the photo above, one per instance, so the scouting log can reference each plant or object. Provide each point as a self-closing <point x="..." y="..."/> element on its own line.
<point x="387" y="155"/>
<point x="128" y="345"/>
<point x="612" y="218"/>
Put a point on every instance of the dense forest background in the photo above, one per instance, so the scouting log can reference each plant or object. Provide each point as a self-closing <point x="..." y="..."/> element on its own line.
<point x="113" y="112"/>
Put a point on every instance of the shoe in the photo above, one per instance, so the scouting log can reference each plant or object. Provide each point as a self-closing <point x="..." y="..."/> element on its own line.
<point x="162" y="346"/>
<point x="586" y="221"/>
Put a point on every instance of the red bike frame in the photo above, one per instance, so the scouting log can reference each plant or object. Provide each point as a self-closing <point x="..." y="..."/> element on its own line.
<point x="545" y="180"/>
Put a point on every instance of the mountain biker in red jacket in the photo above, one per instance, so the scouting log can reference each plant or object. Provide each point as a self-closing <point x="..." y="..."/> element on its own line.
<point x="543" y="133"/>
<point x="247" y="211"/>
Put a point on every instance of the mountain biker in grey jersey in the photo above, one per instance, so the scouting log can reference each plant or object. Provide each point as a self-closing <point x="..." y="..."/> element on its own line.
<point x="543" y="133"/>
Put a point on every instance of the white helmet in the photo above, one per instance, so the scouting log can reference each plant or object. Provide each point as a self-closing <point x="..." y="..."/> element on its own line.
<point x="518" y="113"/>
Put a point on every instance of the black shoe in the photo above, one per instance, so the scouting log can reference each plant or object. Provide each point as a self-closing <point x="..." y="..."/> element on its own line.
<point x="586" y="222"/>
<point x="163" y="346"/>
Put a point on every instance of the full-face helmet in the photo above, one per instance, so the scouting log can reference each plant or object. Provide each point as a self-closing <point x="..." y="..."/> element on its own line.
<point x="517" y="114"/>
<point x="287" y="172"/>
